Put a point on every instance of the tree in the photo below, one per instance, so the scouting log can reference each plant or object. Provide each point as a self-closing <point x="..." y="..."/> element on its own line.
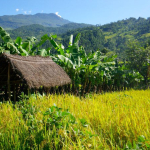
<point x="138" y="59"/>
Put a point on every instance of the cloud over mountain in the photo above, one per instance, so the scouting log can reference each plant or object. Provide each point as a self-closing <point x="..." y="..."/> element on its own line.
<point x="57" y="14"/>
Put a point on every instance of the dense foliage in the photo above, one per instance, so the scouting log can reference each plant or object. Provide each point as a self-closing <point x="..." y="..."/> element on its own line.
<point x="138" y="58"/>
<point x="39" y="30"/>
<point x="114" y="36"/>
<point x="89" y="72"/>
<point x="92" y="38"/>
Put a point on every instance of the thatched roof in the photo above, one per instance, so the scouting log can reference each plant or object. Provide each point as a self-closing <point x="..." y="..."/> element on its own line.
<point x="35" y="71"/>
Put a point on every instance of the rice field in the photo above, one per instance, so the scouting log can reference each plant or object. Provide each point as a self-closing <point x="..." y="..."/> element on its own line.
<point x="119" y="120"/>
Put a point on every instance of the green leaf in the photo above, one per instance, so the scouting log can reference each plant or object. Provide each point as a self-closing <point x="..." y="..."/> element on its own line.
<point x="141" y="138"/>
<point x="6" y="38"/>
<point x="18" y="40"/>
<point x="65" y="113"/>
<point x="4" y="35"/>
<point x="54" y="36"/>
<point x="44" y="38"/>
<point x="42" y="52"/>
<point x="13" y="48"/>
<point x="76" y="41"/>
<point x="67" y="62"/>
<point x="84" y="122"/>
<point x="23" y="52"/>
<point x="26" y="46"/>
<point x="53" y="43"/>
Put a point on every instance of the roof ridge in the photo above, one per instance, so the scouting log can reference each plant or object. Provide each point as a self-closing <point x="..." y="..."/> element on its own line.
<point x="27" y="58"/>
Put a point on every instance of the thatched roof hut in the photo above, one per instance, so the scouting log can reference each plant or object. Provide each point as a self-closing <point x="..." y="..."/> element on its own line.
<point x="35" y="71"/>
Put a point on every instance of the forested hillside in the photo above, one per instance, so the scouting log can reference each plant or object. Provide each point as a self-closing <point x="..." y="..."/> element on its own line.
<point x="115" y="37"/>
<point x="92" y="38"/>
<point x="39" y="30"/>
<point x="119" y="34"/>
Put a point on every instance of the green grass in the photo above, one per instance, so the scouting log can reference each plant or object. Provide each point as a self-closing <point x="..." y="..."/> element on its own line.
<point x="118" y="120"/>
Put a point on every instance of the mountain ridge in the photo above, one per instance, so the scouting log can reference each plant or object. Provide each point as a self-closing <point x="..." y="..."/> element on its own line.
<point x="47" y="20"/>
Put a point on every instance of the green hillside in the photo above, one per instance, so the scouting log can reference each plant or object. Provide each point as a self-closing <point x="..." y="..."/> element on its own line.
<point x="113" y="36"/>
<point x="39" y="30"/>
<point x="117" y="35"/>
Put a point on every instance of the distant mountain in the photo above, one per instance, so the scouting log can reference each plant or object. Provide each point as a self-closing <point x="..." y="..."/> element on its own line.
<point x="37" y="30"/>
<point x="16" y="21"/>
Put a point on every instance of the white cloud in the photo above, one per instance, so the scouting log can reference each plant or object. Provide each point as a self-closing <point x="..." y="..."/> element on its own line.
<point x="17" y="9"/>
<point x="29" y="12"/>
<point x="25" y="12"/>
<point x="42" y="11"/>
<point x="57" y="14"/>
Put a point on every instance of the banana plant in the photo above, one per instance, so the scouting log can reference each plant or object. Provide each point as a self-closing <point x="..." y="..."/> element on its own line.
<point x="19" y="47"/>
<point x="88" y="72"/>
<point x="7" y="44"/>
<point x="85" y="70"/>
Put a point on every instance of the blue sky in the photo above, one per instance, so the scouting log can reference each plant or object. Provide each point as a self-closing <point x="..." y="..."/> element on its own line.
<point x="80" y="11"/>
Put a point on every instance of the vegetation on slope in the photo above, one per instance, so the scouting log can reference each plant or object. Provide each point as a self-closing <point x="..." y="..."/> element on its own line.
<point x="113" y="36"/>
<point x="116" y="35"/>
<point x="92" y="72"/>
<point x="39" y="30"/>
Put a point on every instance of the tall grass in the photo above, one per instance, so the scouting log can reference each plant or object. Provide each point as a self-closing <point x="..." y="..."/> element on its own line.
<point x="118" y="120"/>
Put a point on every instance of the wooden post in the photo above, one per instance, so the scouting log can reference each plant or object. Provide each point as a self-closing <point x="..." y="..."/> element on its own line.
<point x="14" y="92"/>
<point x="29" y="92"/>
<point x="47" y="91"/>
<point x="8" y="82"/>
